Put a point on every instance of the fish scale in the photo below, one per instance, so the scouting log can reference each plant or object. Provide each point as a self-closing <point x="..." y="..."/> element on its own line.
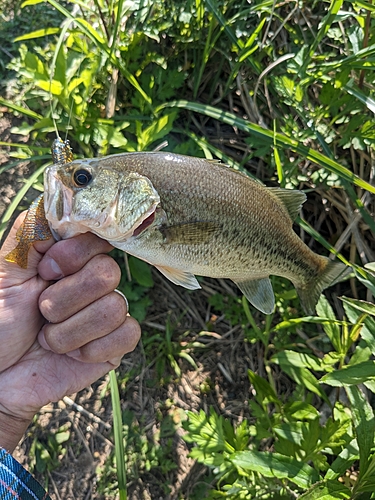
<point x="189" y="216"/>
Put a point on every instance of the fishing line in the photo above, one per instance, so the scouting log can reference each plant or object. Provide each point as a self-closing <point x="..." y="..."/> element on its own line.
<point x="65" y="26"/>
<point x="59" y="46"/>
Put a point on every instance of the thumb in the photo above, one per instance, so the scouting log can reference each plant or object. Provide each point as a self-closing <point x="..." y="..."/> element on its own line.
<point x="12" y="274"/>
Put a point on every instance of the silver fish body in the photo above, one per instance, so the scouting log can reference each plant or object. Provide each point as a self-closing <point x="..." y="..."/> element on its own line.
<point x="189" y="216"/>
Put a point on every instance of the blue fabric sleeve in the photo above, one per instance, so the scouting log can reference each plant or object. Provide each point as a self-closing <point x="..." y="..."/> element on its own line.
<point x="16" y="482"/>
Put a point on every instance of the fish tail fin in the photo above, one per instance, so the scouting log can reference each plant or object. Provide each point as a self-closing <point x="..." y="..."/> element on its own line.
<point x="331" y="273"/>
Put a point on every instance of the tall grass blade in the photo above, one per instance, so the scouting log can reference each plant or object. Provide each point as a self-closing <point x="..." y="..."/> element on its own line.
<point x="37" y="34"/>
<point x="18" y="198"/>
<point x="13" y="164"/>
<point x="326" y="24"/>
<point x="224" y="23"/>
<point x="363" y="98"/>
<point x="266" y="135"/>
<point x="117" y="25"/>
<point x="99" y="41"/>
<point x="119" y="440"/>
<point x="311" y="231"/>
<point x="20" y="109"/>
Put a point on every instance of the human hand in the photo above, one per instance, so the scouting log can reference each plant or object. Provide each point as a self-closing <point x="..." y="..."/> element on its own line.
<point x="57" y="338"/>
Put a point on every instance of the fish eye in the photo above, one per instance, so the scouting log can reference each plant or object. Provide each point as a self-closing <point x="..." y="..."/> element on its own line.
<point x="82" y="177"/>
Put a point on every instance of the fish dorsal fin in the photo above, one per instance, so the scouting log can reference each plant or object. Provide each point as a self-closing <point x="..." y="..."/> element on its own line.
<point x="189" y="233"/>
<point x="259" y="293"/>
<point x="182" y="278"/>
<point x="291" y="199"/>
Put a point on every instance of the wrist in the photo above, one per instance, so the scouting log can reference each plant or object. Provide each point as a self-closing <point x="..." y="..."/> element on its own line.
<point x="11" y="430"/>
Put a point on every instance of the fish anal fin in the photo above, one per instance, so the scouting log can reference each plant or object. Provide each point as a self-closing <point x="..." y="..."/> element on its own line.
<point x="259" y="293"/>
<point x="291" y="199"/>
<point x="189" y="233"/>
<point x="182" y="278"/>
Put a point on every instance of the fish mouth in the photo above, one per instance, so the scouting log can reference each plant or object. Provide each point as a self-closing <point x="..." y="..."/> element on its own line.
<point x="145" y="223"/>
<point x="58" y="203"/>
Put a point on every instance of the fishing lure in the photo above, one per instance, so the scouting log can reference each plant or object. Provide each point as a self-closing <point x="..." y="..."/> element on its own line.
<point x="35" y="226"/>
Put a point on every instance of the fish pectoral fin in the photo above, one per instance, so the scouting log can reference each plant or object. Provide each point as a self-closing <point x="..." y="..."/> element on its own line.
<point x="189" y="233"/>
<point x="291" y="199"/>
<point x="182" y="278"/>
<point x="259" y="293"/>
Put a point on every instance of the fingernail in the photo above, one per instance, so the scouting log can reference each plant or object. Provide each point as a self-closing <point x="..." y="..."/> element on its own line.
<point x="74" y="354"/>
<point x="42" y="340"/>
<point x="115" y="362"/>
<point x="51" y="270"/>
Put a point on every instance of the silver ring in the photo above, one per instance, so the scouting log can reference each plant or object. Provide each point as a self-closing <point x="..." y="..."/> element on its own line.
<point x="123" y="296"/>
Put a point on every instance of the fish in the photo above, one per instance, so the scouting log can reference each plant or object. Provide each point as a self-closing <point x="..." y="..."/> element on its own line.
<point x="190" y="216"/>
<point x="35" y="226"/>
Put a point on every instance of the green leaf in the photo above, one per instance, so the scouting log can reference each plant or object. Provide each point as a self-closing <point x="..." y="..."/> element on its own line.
<point x="37" y="34"/>
<point x="292" y="431"/>
<point x="302" y="376"/>
<point x="351" y="375"/>
<point x="344" y="460"/>
<point x="31" y="2"/>
<point x="53" y="86"/>
<point x="300" y="410"/>
<point x="264" y="392"/>
<point x="366" y="276"/>
<point x="364" y="424"/>
<point x="361" y="305"/>
<point x="332" y="330"/>
<point x="62" y="436"/>
<point x="367" y="331"/>
<point x="209" y="432"/>
<point x="299" y="359"/>
<point x="156" y="131"/>
<point x="276" y="465"/>
<point x="367" y="480"/>
<point x="306" y="319"/>
<point x="327" y="490"/>
<point x="141" y="272"/>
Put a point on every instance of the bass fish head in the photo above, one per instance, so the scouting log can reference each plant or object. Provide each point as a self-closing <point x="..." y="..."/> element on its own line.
<point x="84" y="196"/>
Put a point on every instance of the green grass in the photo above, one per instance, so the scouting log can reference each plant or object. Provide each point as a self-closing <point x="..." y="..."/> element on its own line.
<point x="283" y="92"/>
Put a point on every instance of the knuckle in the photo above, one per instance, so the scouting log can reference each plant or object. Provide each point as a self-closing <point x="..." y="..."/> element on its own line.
<point x="54" y="339"/>
<point x="83" y="247"/>
<point x="105" y="271"/>
<point x="133" y="332"/>
<point x="118" y="308"/>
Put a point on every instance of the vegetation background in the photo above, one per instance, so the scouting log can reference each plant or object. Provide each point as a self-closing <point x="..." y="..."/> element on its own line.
<point x="218" y="401"/>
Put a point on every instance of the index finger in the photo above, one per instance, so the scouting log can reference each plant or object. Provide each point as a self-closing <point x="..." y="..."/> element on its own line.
<point x="67" y="257"/>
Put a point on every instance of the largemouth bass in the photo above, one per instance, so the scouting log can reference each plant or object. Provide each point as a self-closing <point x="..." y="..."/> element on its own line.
<point x="189" y="216"/>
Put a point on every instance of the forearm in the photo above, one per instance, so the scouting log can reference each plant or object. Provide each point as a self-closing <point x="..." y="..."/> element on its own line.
<point x="11" y="431"/>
